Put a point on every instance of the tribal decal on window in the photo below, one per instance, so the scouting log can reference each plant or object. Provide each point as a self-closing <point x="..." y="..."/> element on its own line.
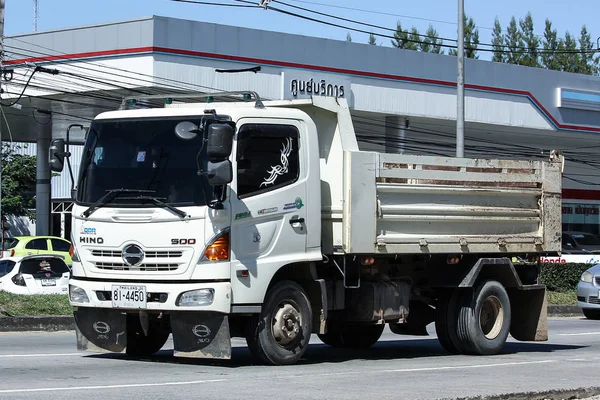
<point x="278" y="170"/>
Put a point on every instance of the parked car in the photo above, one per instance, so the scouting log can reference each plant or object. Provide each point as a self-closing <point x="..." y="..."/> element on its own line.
<point x="36" y="274"/>
<point x="588" y="292"/>
<point x="32" y="245"/>
<point x="580" y="243"/>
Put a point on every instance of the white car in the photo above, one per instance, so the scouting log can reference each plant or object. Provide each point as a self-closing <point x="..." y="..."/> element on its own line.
<point x="37" y="274"/>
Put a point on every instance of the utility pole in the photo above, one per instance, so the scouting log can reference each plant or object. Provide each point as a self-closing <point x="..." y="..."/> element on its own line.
<point x="2" y="4"/>
<point x="460" y="86"/>
<point x="35" y="15"/>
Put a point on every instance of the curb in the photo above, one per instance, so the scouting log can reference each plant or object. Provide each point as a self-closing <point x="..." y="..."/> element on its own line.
<point x="558" y="394"/>
<point x="67" y="322"/>
<point x="46" y="324"/>
<point x="570" y="310"/>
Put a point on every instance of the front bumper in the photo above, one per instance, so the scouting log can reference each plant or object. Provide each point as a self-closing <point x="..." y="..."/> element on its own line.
<point x="588" y="295"/>
<point x="162" y="296"/>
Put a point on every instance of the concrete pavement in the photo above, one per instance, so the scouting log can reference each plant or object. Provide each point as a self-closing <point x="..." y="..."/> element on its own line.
<point x="46" y="366"/>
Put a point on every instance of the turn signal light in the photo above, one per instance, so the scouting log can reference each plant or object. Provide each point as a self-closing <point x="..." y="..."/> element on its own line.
<point x="219" y="249"/>
<point x="71" y="251"/>
<point x="12" y="253"/>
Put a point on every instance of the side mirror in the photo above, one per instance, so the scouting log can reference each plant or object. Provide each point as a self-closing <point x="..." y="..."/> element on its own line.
<point x="57" y="155"/>
<point x="219" y="173"/>
<point x="220" y="142"/>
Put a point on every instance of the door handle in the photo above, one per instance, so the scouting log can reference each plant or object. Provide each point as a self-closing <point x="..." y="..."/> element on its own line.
<point x="296" y="221"/>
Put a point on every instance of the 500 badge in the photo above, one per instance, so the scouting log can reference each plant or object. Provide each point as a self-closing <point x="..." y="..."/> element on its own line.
<point x="183" y="241"/>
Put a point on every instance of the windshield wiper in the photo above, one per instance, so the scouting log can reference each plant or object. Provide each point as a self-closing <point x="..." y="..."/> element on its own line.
<point x="159" y="203"/>
<point x="108" y="197"/>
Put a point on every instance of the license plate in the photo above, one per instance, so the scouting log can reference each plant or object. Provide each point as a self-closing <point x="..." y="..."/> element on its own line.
<point x="129" y="296"/>
<point x="48" y="282"/>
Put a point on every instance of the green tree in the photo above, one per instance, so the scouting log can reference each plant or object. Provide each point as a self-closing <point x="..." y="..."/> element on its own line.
<point x="431" y="43"/>
<point x="529" y="58"/>
<point x="569" y="59"/>
<point x="588" y="63"/>
<point x="404" y="40"/>
<point x="372" y="39"/>
<point x="513" y="41"/>
<point x="498" y="41"/>
<point x="471" y="39"/>
<point x="549" y="59"/>
<point x="18" y="183"/>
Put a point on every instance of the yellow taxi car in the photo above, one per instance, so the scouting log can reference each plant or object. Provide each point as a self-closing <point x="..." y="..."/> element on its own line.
<point x="33" y="245"/>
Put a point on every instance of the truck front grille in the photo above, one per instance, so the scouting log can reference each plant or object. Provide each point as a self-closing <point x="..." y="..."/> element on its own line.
<point x="145" y="267"/>
<point x="148" y="254"/>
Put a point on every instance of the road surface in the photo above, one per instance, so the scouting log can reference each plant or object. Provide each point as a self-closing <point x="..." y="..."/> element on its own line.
<point x="47" y="366"/>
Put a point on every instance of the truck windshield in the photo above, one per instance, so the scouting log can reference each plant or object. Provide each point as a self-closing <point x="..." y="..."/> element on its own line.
<point x="148" y="154"/>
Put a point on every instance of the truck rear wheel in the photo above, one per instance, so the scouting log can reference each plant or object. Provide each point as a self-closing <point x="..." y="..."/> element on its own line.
<point x="140" y="345"/>
<point x="484" y="319"/>
<point x="281" y="333"/>
<point x="445" y="322"/>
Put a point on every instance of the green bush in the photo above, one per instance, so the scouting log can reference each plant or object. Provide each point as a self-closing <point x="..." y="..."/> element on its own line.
<point x="37" y="304"/>
<point x="562" y="277"/>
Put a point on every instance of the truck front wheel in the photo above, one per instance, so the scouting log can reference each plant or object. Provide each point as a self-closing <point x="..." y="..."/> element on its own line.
<point x="484" y="319"/>
<point x="140" y="345"/>
<point x="280" y="334"/>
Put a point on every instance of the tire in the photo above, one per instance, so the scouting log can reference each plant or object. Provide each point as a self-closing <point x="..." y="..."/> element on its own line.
<point x="332" y="338"/>
<point x="445" y="322"/>
<point x="484" y="319"/>
<point x="591" y="313"/>
<point x="361" y="336"/>
<point x="140" y="345"/>
<point x="353" y="336"/>
<point x="280" y="334"/>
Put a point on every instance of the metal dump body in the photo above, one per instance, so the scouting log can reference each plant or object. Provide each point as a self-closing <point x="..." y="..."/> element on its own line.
<point x="423" y="204"/>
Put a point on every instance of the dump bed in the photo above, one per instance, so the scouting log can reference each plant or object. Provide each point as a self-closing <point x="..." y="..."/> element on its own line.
<point x="422" y="204"/>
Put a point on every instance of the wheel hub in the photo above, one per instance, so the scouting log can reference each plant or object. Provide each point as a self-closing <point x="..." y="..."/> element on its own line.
<point x="491" y="317"/>
<point x="286" y="324"/>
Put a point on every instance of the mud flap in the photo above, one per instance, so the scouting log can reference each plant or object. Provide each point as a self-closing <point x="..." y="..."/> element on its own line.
<point x="529" y="309"/>
<point x="201" y="335"/>
<point x="100" y="329"/>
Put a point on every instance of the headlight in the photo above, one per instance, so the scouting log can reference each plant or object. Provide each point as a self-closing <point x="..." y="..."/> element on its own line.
<point x="200" y="297"/>
<point x="77" y="295"/>
<point x="587" y="276"/>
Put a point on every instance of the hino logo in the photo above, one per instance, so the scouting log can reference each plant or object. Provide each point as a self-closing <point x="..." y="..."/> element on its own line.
<point x="133" y="255"/>
<point x="91" y="240"/>
<point x="202" y="331"/>
<point x="101" y="327"/>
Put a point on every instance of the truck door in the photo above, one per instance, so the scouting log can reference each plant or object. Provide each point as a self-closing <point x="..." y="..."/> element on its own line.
<point x="269" y="225"/>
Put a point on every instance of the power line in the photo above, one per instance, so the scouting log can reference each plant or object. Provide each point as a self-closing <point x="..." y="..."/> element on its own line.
<point x="386" y="13"/>
<point x="494" y="49"/>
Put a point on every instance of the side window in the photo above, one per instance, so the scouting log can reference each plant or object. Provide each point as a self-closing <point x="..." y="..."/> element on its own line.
<point x="567" y="241"/>
<point x="267" y="158"/>
<point x="6" y="266"/>
<point x="60" y="245"/>
<point x="37" y="244"/>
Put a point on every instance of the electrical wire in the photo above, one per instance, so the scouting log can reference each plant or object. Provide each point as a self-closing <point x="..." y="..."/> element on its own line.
<point x="494" y="49"/>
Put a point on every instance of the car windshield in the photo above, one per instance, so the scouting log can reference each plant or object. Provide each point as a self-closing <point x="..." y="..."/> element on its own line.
<point x="149" y="155"/>
<point x="42" y="268"/>
<point x="586" y="239"/>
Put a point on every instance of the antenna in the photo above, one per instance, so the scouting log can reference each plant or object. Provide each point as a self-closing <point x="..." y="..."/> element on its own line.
<point x="35" y="15"/>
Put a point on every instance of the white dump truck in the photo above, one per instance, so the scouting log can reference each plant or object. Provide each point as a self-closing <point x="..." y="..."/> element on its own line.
<point x="264" y="220"/>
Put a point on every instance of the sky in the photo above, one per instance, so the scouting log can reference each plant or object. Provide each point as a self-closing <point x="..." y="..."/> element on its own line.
<point x="442" y="14"/>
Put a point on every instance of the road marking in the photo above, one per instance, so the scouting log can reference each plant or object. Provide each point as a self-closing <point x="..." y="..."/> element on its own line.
<point x="579" y="334"/>
<point x="135" y="385"/>
<point x="453" y="367"/>
<point x="40" y="355"/>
